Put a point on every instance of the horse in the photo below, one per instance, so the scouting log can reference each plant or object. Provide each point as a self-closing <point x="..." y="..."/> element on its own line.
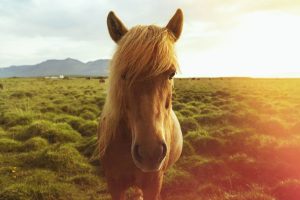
<point x="139" y="135"/>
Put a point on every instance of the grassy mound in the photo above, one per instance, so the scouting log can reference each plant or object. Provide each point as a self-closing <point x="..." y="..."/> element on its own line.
<point x="72" y="110"/>
<point x="16" y="132"/>
<point x="9" y="145"/>
<point x="16" y="192"/>
<point x="35" y="143"/>
<point x="61" y="158"/>
<point x="186" y="112"/>
<point x="89" y="128"/>
<point x="87" y="115"/>
<point x="53" y="132"/>
<point x="205" y="144"/>
<point x="203" y="168"/>
<point x="88" y="146"/>
<point x="22" y="191"/>
<point x="49" y="107"/>
<point x="10" y="119"/>
<point x="73" y="121"/>
<point x="85" y="180"/>
<point x="2" y="132"/>
<point x="252" y="194"/>
<point x="92" y="107"/>
<point x="22" y="94"/>
<point x="187" y="149"/>
<point x="273" y="127"/>
<point x="287" y="190"/>
<point x="188" y="124"/>
<point x="208" y="190"/>
<point x="178" y="106"/>
<point x="244" y="165"/>
<point x="180" y="179"/>
<point x="216" y="118"/>
<point x="241" y="140"/>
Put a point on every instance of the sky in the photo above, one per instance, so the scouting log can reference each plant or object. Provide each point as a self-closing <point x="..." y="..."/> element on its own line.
<point x="219" y="38"/>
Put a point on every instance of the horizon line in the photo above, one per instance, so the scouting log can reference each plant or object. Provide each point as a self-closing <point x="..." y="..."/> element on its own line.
<point x="191" y="77"/>
<point x="179" y="75"/>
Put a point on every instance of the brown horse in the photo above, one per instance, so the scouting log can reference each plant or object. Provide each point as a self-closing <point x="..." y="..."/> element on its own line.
<point x="139" y="133"/>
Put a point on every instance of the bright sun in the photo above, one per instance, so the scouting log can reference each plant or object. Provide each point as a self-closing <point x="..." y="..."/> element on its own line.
<point x="264" y="44"/>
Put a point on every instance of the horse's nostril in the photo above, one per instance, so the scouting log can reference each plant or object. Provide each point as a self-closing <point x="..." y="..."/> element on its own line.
<point x="137" y="154"/>
<point x="152" y="155"/>
<point x="164" y="151"/>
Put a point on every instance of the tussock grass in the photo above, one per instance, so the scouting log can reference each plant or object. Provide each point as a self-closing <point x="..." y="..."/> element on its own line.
<point x="87" y="115"/>
<point x="188" y="124"/>
<point x="85" y="180"/>
<point x="60" y="158"/>
<point x="187" y="149"/>
<point x="74" y="121"/>
<point x="34" y="144"/>
<point x="241" y="140"/>
<point x="17" y="117"/>
<point x="204" y="144"/>
<point x="53" y="132"/>
<point x="88" y="146"/>
<point x="24" y="191"/>
<point x="2" y="132"/>
<point x="21" y="94"/>
<point x="180" y="179"/>
<point x="9" y="145"/>
<point x="287" y="190"/>
<point x="89" y="128"/>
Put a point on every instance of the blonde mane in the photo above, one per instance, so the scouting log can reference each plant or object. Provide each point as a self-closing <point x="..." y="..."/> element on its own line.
<point x="143" y="53"/>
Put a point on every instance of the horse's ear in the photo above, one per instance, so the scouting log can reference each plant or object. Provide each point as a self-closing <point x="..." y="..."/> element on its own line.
<point x="175" y="24"/>
<point x="115" y="27"/>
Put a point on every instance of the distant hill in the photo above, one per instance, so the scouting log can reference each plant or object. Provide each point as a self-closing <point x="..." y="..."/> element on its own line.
<point x="65" y="67"/>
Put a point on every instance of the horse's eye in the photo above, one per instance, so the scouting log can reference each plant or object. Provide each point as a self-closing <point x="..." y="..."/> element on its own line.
<point x="171" y="75"/>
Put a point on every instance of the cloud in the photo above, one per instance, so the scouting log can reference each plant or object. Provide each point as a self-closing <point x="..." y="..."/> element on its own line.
<point x="35" y="30"/>
<point x="54" y="18"/>
<point x="57" y="28"/>
<point x="29" y="27"/>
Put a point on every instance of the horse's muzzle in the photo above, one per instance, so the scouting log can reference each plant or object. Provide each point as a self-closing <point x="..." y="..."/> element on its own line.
<point x="149" y="158"/>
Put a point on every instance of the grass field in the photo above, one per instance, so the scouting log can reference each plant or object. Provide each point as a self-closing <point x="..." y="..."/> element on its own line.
<point x="241" y="140"/>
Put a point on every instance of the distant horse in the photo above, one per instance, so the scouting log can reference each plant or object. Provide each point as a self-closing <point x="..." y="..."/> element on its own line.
<point x="101" y="80"/>
<point x="139" y="134"/>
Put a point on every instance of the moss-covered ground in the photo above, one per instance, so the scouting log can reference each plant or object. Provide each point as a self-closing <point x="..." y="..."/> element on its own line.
<point x="241" y="140"/>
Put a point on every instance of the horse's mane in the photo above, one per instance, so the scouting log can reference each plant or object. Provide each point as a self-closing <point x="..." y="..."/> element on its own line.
<point x="143" y="53"/>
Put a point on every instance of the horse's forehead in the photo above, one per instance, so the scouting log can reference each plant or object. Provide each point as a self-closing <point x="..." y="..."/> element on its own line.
<point x="145" y="86"/>
<point x="149" y="28"/>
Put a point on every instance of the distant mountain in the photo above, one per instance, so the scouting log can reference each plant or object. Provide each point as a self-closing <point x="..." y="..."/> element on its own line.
<point x="65" y="67"/>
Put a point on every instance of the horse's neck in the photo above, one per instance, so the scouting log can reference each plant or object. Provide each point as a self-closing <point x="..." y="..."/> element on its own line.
<point x="175" y="122"/>
<point x="176" y="140"/>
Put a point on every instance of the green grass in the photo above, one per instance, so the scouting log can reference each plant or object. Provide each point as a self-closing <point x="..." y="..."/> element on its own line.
<point x="241" y="140"/>
<point x="53" y="132"/>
